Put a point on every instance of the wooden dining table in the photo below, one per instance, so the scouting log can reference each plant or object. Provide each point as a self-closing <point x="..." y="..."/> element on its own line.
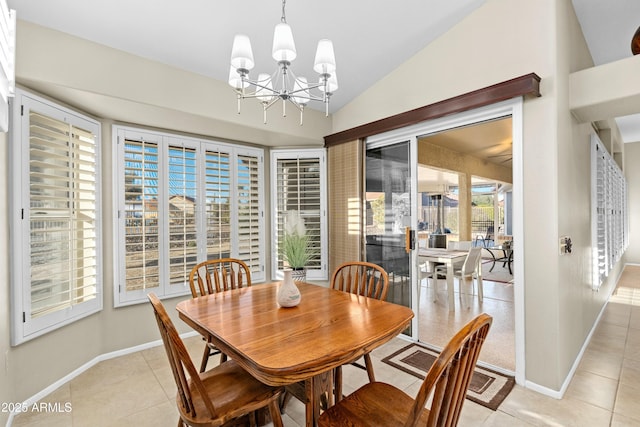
<point x="282" y="346"/>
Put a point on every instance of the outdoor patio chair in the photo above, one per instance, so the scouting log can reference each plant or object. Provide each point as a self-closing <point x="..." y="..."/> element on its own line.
<point x="487" y="239"/>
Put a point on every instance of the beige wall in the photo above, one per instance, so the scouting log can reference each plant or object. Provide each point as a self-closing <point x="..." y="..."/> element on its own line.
<point x="543" y="37"/>
<point x="632" y="173"/>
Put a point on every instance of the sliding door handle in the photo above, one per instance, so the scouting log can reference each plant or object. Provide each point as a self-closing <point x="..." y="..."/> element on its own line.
<point x="409" y="239"/>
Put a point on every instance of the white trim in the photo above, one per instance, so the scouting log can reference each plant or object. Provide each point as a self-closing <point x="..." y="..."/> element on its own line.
<point x="90" y="364"/>
<point x="320" y="154"/>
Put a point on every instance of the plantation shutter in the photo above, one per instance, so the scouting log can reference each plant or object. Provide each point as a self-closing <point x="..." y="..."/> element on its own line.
<point x="183" y="248"/>
<point x="298" y="188"/>
<point x="608" y="212"/>
<point x="63" y="214"/>
<point x="249" y="212"/>
<point x="218" y="204"/>
<point x="141" y="215"/>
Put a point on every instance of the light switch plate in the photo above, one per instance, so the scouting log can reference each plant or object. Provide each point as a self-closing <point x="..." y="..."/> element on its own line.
<point x="565" y="245"/>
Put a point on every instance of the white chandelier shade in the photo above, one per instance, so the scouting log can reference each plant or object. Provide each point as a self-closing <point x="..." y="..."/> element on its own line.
<point x="241" y="53"/>
<point x="284" y="48"/>
<point x="325" y="62"/>
<point x="283" y="84"/>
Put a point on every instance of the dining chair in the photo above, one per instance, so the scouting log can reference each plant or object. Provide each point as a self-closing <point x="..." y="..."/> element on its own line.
<point x="364" y="279"/>
<point x="218" y="396"/>
<point x="465" y="274"/>
<point x="446" y="382"/>
<point x="213" y="276"/>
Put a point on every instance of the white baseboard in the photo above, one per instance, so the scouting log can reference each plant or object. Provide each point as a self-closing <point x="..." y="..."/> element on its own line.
<point x="100" y="358"/>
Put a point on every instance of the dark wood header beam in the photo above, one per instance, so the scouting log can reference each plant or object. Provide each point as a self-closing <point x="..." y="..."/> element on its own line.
<point x="528" y="84"/>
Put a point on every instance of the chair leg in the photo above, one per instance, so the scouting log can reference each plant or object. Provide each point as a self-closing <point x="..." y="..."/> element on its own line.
<point x="274" y="411"/>
<point x="369" y="364"/>
<point x="467" y="284"/>
<point x="205" y="358"/>
<point x="337" y="381"/>
<point x="435" y="287"/>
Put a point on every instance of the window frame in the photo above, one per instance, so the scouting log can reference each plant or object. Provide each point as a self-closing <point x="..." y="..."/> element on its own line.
<point x="122" y="297"/>
<point x="297" y="154"/>
<point x="24" y="328"/>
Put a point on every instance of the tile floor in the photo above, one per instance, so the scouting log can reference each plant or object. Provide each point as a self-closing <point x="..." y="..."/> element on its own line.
<point x="137" y="389"/>
<point x="437" y="324"/>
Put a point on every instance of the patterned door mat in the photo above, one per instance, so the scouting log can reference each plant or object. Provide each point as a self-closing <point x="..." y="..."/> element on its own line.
<point x="487" y="388"/>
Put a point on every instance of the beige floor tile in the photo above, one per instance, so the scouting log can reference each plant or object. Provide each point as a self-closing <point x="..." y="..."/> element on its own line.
<point x="43" y="418"/>
<point x="634" y="318"/>
<point x="630" y="374"/>
<point x="295" y="413"/>
<point x="163" y="414"/>
<point x="617" y="314"/>
<point x="607" y="343"/>
<point x="602" y="363"/>
<point x="621" y="421"/>
<point x="536" y="409"/>
<point x="155" y="356"/>
<point x="473" y="414"/>
<point x="110" y="372"/>
<point x="611" y="331"/>
<point x="500" y="419"/>
<point x="632" y="349"/>
<point x="593" y="389"/>
<point x="627" y="401"/>
<point x="116" y="400"/>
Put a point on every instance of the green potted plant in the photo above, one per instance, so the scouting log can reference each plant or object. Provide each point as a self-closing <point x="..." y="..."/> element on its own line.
<point x="294" y="245"/>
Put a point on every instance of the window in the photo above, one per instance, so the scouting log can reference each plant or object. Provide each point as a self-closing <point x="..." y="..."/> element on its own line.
<point x="181" y="201"/>
<point x="299" y="183"/>
<point x="55" y="226"/>
<point x="608" y="212"/>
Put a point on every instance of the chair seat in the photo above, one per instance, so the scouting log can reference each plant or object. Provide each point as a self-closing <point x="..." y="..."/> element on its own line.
<point x="235" y="392"/>
<point x="375" y="405"/>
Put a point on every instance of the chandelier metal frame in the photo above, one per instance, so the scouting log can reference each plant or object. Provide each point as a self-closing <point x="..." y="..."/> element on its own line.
<point x="283" y="84"/>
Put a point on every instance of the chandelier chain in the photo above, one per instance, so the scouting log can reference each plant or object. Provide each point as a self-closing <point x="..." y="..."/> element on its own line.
<point x="283" y="19"/>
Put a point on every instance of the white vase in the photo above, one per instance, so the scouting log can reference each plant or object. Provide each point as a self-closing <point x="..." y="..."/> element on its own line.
<point x="288" y="294"/>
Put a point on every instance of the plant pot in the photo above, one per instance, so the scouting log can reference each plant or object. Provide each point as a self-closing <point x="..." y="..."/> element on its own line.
<point x="299" y="274"/>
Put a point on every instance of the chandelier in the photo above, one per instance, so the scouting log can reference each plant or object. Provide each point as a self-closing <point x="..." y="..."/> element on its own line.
<point x="283" y="84"/>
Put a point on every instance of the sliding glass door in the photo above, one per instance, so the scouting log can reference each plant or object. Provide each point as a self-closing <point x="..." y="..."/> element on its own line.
<point x="388" y="191"/>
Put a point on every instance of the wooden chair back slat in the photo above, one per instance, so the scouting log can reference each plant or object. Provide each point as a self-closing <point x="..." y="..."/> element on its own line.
<point x="219" y="275"/>
<point x="361" y="278"/>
